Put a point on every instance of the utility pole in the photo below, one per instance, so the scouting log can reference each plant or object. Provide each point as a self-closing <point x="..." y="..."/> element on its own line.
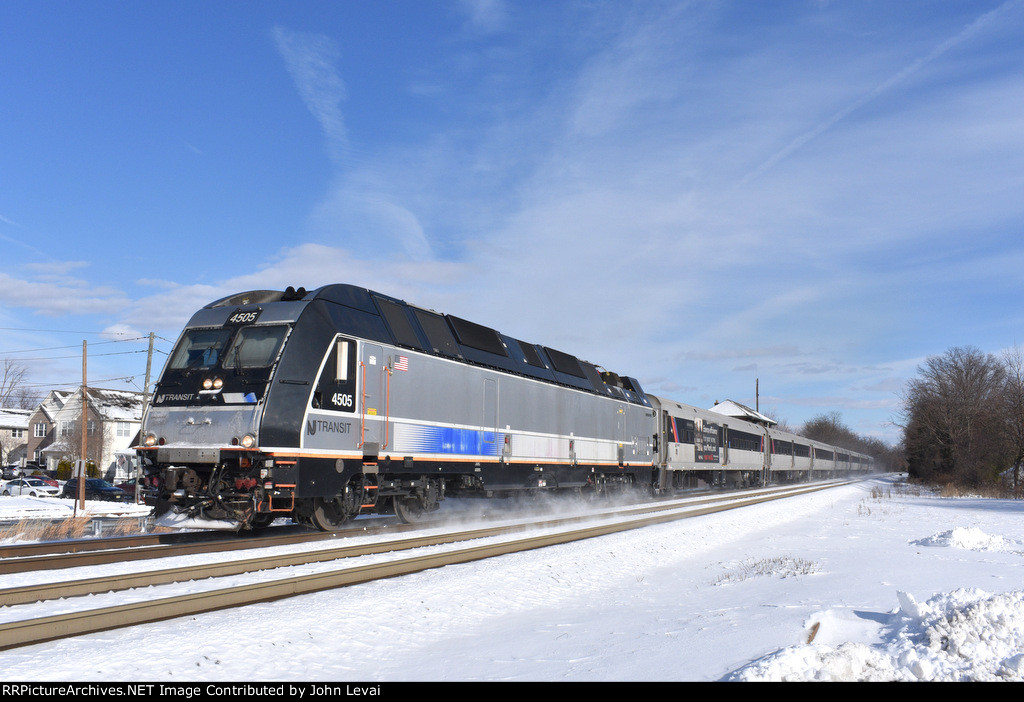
<point x="84" y="425"/>
<point x="142" y="418"/>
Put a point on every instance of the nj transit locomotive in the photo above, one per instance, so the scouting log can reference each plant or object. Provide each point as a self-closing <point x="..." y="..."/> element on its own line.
<point x="326" y="404"/>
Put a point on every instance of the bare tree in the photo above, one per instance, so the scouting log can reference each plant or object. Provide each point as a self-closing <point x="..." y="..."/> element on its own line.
<point x="68" y="445"/>
<point x="1013" y="410"/>
<point x="954" y="424"/>
<point x="12" y="383"/>
<point x="829" y="429"/>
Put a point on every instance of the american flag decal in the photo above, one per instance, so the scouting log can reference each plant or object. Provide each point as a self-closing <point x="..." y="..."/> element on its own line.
<point x="402" y="363"/>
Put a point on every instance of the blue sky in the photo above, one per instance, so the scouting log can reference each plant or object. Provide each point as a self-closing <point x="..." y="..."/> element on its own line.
<point x="814" y="194"/>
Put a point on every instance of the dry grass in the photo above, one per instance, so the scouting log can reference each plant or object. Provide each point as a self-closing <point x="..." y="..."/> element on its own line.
<point x="782" y="566"/>
<point x="71" y="528"/>
<point x="990" y="491"/>
<point x="43" y="530"/>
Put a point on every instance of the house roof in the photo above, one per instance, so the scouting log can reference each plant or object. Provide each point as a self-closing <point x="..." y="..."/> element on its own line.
<point x="734" y="409"/>
<point x="14" y="418"/>
<point x="52" y="404"/>
<point x="110" y="405"/>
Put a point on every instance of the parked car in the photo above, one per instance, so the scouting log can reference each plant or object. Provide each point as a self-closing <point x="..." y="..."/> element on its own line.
<point x="96" y="489"/>
<point x="128" y="485"/>
<point x="33" y="487"/>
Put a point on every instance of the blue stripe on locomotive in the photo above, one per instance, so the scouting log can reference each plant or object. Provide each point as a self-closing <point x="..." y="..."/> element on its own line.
<point x="470" y="442"/>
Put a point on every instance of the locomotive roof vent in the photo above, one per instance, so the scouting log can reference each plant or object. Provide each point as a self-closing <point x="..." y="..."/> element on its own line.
<point x="259" y="297"/>
<point x="252" y="297"/>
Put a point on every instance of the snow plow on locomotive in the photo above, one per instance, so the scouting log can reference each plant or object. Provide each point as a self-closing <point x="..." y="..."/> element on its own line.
<point x="340" y="401"/>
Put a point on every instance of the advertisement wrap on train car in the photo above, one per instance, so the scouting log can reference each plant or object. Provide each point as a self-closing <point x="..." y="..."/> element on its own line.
<point x="705" y="438"/>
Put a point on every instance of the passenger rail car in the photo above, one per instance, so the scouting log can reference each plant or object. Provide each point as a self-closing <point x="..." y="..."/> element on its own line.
<point x="717" y="449"/>
<point x="326" y="404"/>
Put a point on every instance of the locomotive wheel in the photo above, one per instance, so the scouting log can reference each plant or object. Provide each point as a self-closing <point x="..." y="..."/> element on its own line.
<point x="328" y="515"/>
<point x="410" y="510"/>
<point x="260" y="521"/>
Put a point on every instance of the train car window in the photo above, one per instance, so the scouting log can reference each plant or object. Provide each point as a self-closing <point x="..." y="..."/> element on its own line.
<point x="200" y="348"/>
<point x="438" y="333"/>
<point x="782" y="448"/>
<point x="336" y="386"/>
<point x="744" y="441"/>
<point x="564" y="363"/>
<point x="401" y="327"/>
<point x="477" y="336"/>
<point x="255" y="347"/>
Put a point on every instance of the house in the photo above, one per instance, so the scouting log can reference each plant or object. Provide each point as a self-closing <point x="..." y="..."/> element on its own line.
<point x="13" y="435"/>
<point x="111" y="426"/>
<point x="41" y="427"/>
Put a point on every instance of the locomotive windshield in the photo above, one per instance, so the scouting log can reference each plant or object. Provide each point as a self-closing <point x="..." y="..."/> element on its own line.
<point x="255" y="347"/>
<point x="251" y="347"/>
<point x="200" y="348"/>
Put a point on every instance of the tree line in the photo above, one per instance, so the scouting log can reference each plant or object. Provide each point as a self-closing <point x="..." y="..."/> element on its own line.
<point x="829" y="429"/>
<point x="963" y="419"/>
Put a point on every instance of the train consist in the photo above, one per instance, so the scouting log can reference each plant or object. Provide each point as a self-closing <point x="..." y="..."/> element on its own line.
<point x="340" y="401"/>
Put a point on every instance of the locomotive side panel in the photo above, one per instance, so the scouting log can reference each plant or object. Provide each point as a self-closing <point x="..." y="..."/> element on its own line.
<point x="439" y="413"/>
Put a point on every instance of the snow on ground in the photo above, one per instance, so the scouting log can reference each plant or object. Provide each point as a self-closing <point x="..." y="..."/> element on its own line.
<point x="14" y="508"/>
<point x="872" y="581"/>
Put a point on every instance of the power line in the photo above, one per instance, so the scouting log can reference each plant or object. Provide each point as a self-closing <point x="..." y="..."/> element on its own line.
<point x="92" y="355"/>
<point x="75" y="384"/>
<point x="70" y="346"/>
<point x="69" y="331"/>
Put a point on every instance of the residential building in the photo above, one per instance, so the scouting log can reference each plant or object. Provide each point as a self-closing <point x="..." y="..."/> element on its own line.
<point x="41" y="427"/>
<point x="111" y="426"/>
<point x="13" y="435"/>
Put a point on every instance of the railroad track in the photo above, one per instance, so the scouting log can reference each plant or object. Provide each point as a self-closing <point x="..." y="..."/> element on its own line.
<point x="503" y="539"/>
<point x="22" y="558"/>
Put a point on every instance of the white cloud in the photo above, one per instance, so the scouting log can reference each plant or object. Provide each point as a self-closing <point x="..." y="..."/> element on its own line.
<point x="310" y="59"/>
<point x="53" y="296"/>
<point x="485" y="16"/>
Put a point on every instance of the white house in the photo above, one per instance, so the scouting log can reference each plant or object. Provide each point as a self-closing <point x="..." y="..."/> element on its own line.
<point x="13" y="435"/>
<point x="112" y="426"/>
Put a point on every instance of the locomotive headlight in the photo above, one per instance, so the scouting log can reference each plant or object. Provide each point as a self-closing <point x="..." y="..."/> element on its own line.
<point x="149" y="440"/>
<point x="247" y="441"/>
<point x="218" y="383"/>
<point x="207" y="383"/>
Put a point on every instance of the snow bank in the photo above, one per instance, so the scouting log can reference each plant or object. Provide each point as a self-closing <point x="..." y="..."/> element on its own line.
<point x="14" y="508"/>
<point x="971" y="538"/>
<point x="965" y="635"/>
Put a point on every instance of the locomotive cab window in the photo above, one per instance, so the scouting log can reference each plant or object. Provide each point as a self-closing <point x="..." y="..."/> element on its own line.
<point x="255" y="347"/>
<point x="200" y="348"/>
<point x="336" y="388"/>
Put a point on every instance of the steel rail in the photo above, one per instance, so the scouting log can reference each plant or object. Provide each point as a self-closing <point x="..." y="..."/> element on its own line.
<point x="96" y="585"/>
<point x="32" y="631"/>
<point x="22" y="564"/>
<point x="103" y="543"/>
<point x="22" y="558"/>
